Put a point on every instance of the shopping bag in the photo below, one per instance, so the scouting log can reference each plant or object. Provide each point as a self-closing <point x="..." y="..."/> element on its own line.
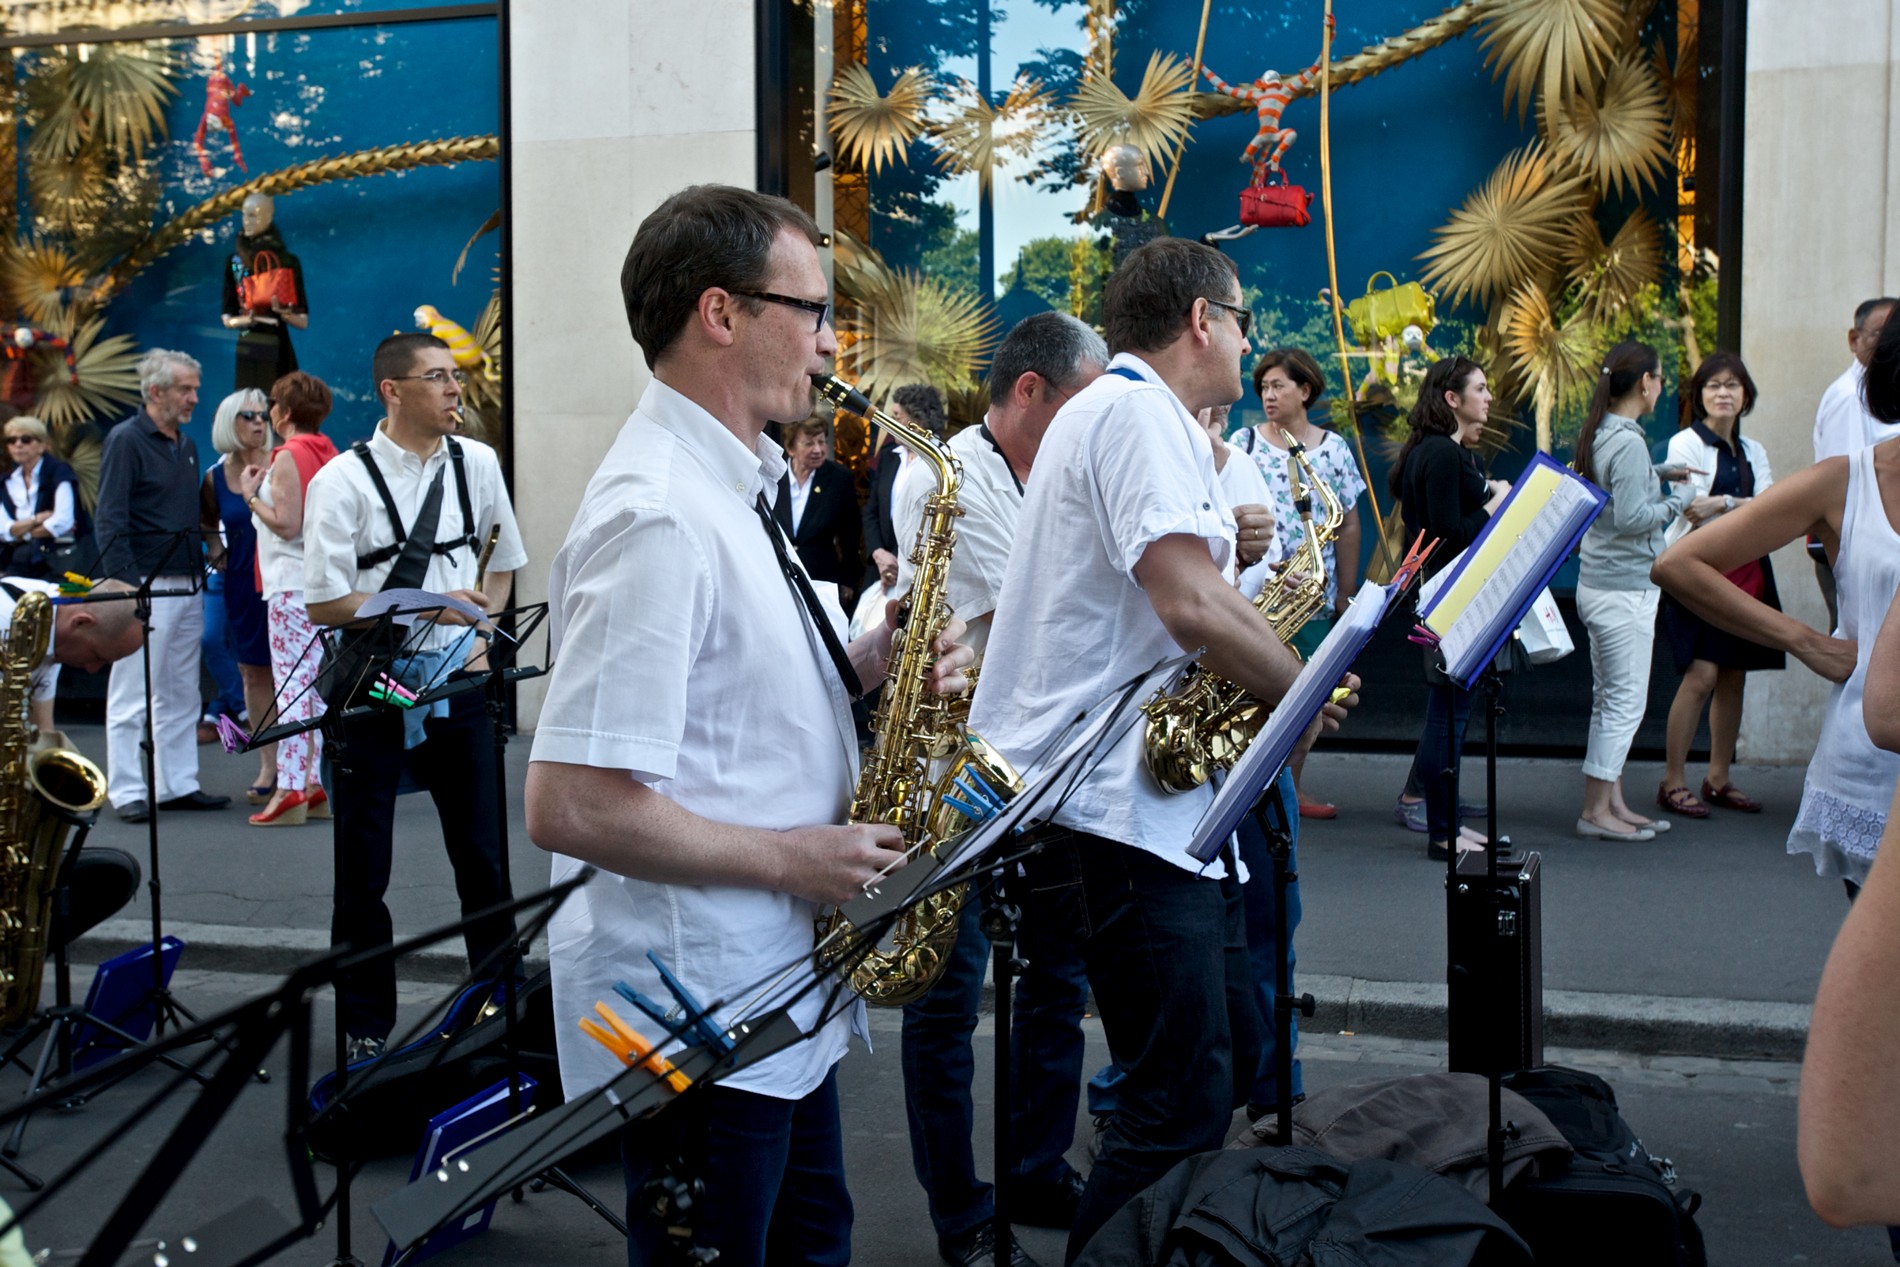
<point x="1543" y="633"/>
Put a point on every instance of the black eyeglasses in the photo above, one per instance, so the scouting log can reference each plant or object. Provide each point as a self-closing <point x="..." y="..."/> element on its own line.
<point x="821" y="308"/>
<point x="1242" y="316"/>
<point x="438" y="377"/>
<point x="251" y="415"/>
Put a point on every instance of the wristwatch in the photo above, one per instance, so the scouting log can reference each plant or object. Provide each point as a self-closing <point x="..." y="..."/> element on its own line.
<point x="1728" y="503"/>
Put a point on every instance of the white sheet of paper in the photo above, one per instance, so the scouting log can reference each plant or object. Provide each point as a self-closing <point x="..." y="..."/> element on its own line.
<point x="410" y="605"/>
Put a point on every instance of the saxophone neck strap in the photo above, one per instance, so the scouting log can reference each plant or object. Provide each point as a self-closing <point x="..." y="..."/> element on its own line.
<point x="801" y="586"/>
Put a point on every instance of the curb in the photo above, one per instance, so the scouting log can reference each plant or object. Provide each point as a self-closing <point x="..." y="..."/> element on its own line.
<point x="1641" y="1024"/>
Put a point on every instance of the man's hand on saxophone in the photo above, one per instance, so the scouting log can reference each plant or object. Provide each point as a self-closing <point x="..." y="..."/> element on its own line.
<point x="871" y="653"/>
<point x="1255" y="533"/>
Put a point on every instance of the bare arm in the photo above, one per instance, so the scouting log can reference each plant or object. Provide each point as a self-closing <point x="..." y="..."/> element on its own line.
<point x="1346" y="558"/>
<point x="208" y="522"/>
<point x="1849" y="1113"/>
<point x="1692" y="569"/>
<point x="284" y="514"/>
<point x="1200" y="609"/>
<point x="609" y="819"/>
<point x="1883" y="684"/>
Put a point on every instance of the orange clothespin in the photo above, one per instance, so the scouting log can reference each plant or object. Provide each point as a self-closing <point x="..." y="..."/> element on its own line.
<point x="1414" y="560"/>
<point x="628" y="1046"/>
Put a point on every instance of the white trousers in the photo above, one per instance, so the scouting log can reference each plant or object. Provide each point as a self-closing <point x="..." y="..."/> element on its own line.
<point x="1622" y="625"/>
<point x="177" y="624"/>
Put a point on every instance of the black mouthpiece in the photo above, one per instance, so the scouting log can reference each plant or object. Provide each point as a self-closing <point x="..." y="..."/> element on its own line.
<point x="842" y="394"/>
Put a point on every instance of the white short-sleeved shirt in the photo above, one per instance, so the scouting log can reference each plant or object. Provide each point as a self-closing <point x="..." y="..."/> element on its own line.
<point x="1244" y="485"/>
<point x="991" y="501"/>
<point x="1842" y="425"/>
<point x="682" y="656"/>
<point x="44" y="681"/>
<point x="1123" y="465"/>
<point x="26" y="495"/>
<point x="344" y="519"/>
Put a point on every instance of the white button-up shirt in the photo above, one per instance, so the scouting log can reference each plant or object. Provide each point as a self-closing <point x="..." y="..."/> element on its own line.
<point x="682" y="656"/>
<point x="344" y="519"/>
<point x="990" y="503"/>
<point x="26" y="495"/>
<point x="1123" y="465"/>
<point x="44" y="680"/>
<point x="801" y="493"/>
<point x="1842" y="425"/>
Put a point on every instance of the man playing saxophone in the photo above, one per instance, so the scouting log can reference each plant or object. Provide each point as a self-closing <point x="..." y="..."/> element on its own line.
<point x="1046" y="359"/>
<point x="1127" y="548"/>
<point x="697" y="744"/>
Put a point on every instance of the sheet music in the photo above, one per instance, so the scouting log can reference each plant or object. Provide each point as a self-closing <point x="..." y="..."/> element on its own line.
<point x="410" y="605"/>
<point x="1271" y="748"/>
<point x="1488" y="586"/>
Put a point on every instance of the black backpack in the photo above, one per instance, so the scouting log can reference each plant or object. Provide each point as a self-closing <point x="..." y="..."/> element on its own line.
<point x="1616" y="1202"/>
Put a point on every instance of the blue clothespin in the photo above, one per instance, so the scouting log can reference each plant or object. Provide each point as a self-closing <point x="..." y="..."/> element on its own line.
<point x="693" y="1023"/>
<point x="980" y="802"/>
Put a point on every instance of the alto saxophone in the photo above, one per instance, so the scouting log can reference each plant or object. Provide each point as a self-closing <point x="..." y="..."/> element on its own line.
<point x="1206" y="722"/>
<point x="42" y="794"/>
<point x="924" y="763"/>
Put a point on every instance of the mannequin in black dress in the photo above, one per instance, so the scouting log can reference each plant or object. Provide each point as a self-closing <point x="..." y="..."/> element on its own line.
<point x="264" y="354"/>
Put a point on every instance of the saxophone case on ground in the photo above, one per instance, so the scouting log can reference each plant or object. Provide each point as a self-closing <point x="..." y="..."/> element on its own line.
<point x="926" y="772"/>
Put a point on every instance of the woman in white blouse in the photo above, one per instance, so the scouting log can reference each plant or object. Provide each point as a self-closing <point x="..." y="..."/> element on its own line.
<point x="38" y="497"/>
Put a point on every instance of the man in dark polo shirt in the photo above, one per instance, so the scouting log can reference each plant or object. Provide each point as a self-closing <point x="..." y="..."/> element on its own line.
<point x="148" y="495"/>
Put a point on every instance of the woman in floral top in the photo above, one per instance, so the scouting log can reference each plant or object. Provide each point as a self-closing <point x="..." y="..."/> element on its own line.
<point x="1289" y="383"/>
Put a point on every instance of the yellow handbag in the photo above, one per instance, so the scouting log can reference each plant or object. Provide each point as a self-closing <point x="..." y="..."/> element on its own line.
<point x="1379" y="314"/>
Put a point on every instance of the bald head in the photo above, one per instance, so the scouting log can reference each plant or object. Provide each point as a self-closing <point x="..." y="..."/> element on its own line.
<point x="90" y="636"/>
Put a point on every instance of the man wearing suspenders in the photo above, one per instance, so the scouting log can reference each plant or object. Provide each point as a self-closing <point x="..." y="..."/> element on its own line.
<point x="411" y="508"/>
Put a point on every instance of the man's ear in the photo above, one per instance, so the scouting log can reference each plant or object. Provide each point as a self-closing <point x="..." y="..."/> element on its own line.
<point x="714" y="315"/>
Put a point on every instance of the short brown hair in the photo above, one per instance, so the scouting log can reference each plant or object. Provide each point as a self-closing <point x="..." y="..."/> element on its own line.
<point x="1298" y="366"/>
<point x="1145" y="301"/>
<point x="810" y="423"/>
<point x="304" y="397"/>
<point x="701" y="237"/>
<point x="396" y="356"/>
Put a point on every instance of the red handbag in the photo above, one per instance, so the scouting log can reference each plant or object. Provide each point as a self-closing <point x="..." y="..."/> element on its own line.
<point x="268" y="285"/>
<point x="1281" y="206"/>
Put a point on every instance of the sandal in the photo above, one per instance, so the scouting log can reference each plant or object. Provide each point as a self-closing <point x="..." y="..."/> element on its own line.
<point x="1728" y="796"/>
<point x="259" y="793"/>
<point x="1680" y="800"/>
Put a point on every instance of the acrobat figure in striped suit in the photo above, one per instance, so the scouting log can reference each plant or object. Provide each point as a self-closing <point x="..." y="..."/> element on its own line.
<point x="1269" y="95"/>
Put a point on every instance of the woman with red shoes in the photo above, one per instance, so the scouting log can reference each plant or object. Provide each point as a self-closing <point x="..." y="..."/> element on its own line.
<point x="299" y="403"/>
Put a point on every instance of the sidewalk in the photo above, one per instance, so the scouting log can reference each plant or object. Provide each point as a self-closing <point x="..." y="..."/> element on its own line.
<point x="1707" y="941"/>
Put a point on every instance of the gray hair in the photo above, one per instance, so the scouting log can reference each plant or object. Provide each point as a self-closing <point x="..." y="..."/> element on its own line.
<point x="1051" y="344"/>
<point x="224" y="426"/>
<point x="159" y="368"/>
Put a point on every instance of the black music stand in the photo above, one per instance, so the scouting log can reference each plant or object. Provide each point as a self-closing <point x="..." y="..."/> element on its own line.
<point x="254" y="1028"/>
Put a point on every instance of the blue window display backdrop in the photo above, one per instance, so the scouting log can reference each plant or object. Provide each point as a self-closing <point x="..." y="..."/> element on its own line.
<point x="373" y="248"/>
<point x="1408" y="146"/>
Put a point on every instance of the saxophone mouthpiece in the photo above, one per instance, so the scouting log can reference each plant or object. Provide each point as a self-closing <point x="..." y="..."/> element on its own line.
<point x="842" y="394"/>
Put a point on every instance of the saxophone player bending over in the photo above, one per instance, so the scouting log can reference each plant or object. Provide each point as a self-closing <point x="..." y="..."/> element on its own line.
<point x="1127" y="550"/>
<point x="697" y="742"/>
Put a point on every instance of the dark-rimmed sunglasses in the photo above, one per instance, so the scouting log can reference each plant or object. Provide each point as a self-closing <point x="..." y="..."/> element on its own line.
<point x="1242" y="317"/>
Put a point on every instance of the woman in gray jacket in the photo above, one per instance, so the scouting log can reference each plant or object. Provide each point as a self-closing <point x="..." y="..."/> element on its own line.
<point x="1615" y="596"/>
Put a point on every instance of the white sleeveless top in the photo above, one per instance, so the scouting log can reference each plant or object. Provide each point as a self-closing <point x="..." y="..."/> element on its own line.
<point x="1850" y="782"/>
<point x="279" y="562"/>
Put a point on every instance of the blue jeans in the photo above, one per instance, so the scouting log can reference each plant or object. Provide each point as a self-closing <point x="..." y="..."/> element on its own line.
<point x="773" y="1169"/>
<point x="219" y="659"/>
<point x="939" y="1063"/>
<point x="1440" y="747"/>
<point x="1259" y="898"/>
<point x="1166" y="954"/>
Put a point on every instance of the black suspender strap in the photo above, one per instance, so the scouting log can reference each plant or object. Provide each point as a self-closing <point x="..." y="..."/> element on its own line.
<point x="13" y="591"/>
<point x="801" y="586"/>
<point x="988" y="435"/>
<point x="468" y="538"/>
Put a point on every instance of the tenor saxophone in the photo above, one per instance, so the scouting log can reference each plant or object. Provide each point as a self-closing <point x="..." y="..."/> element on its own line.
<point x="1206" y="722"/>
<point x="42" y="793"/>
<point x="924" y="762"/>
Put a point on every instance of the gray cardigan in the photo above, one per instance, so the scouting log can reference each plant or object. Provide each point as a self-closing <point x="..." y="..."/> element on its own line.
<point x="1626" y="538"/>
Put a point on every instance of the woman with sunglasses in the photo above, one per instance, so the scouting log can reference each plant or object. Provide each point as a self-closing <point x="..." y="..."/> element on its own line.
<point x="40" y="498"/>
<point x="235" y="626"/>
<point x="1615" y="597"/>
<point x="274" y="493"/>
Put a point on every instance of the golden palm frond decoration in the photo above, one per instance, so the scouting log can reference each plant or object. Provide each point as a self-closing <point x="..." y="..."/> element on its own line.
<point x="107" y="374"/>
<point x="1155" y="121"/>
<point x="481" y="396"/>
<point x="1554" y="361"/>
<point x="124" y="89"/>
<point x="977" y="136"/>
<point x="59" y="126"/>
<point x="1509" y="230"/>
<point x="39" y="279"/>
<point x="69" y="192"/>
<point x="872" y="128"/>
<point x="81" y="447"/>
<point x="1611" y="274"/>
<point x="1680" y="83"/>
<point x="1552" y="46"/>
<point x="1617" y="132"/>
<point x="914" y="328"/>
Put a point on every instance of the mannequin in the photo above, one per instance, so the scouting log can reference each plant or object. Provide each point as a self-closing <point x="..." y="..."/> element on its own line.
<point x="1129" y="223"/>
<point x="264" y="354"/>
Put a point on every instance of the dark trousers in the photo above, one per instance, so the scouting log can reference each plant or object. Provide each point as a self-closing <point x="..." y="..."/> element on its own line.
<point x="1260" y="898"/>
<point x="1166" y="953"/>
<point x="939" y="1063"/>
<point x="773" y="1170"/>
<point x="1440" y="748"/>
<point x="457" y="764"/>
